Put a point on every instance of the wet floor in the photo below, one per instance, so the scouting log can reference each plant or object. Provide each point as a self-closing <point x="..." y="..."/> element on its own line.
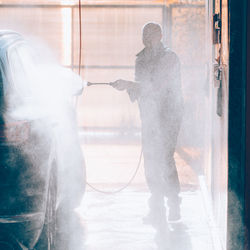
<point x="115" y="221"/>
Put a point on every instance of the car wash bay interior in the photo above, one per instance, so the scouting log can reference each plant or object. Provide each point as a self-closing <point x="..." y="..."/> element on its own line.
<point x="109" y="124"/>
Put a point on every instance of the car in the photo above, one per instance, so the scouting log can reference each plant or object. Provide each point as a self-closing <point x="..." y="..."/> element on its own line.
<point x="42" y="169"/>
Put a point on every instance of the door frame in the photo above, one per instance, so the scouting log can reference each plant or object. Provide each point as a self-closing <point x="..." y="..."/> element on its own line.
<point x="238" y="128"/>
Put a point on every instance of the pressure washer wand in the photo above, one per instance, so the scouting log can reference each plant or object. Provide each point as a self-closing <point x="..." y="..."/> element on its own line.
<point x="98" y="83"/>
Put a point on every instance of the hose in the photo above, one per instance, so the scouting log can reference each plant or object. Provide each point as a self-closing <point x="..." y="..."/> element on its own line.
<point x="79" y="72"/>
<point x="123" y="187"/>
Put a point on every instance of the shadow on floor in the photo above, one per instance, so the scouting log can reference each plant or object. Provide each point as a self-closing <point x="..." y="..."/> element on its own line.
<point x="172" y="236"/>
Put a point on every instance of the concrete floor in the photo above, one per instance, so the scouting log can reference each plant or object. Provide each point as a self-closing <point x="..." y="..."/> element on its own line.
<point x="115" y="221"/>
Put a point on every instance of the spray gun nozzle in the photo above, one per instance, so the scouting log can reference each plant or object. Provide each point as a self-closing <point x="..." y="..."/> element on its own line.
<point x="98" y="83"/>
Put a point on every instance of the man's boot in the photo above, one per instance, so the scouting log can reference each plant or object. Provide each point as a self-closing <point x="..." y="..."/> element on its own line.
<point x="157" y="211"/>
<point x="174" y="214"/>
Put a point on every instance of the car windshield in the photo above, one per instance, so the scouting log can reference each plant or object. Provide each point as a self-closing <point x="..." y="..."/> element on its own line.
<point x="22" y="71"/>
<point x="28" y="92"/>
<point x="37" y="84"/>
